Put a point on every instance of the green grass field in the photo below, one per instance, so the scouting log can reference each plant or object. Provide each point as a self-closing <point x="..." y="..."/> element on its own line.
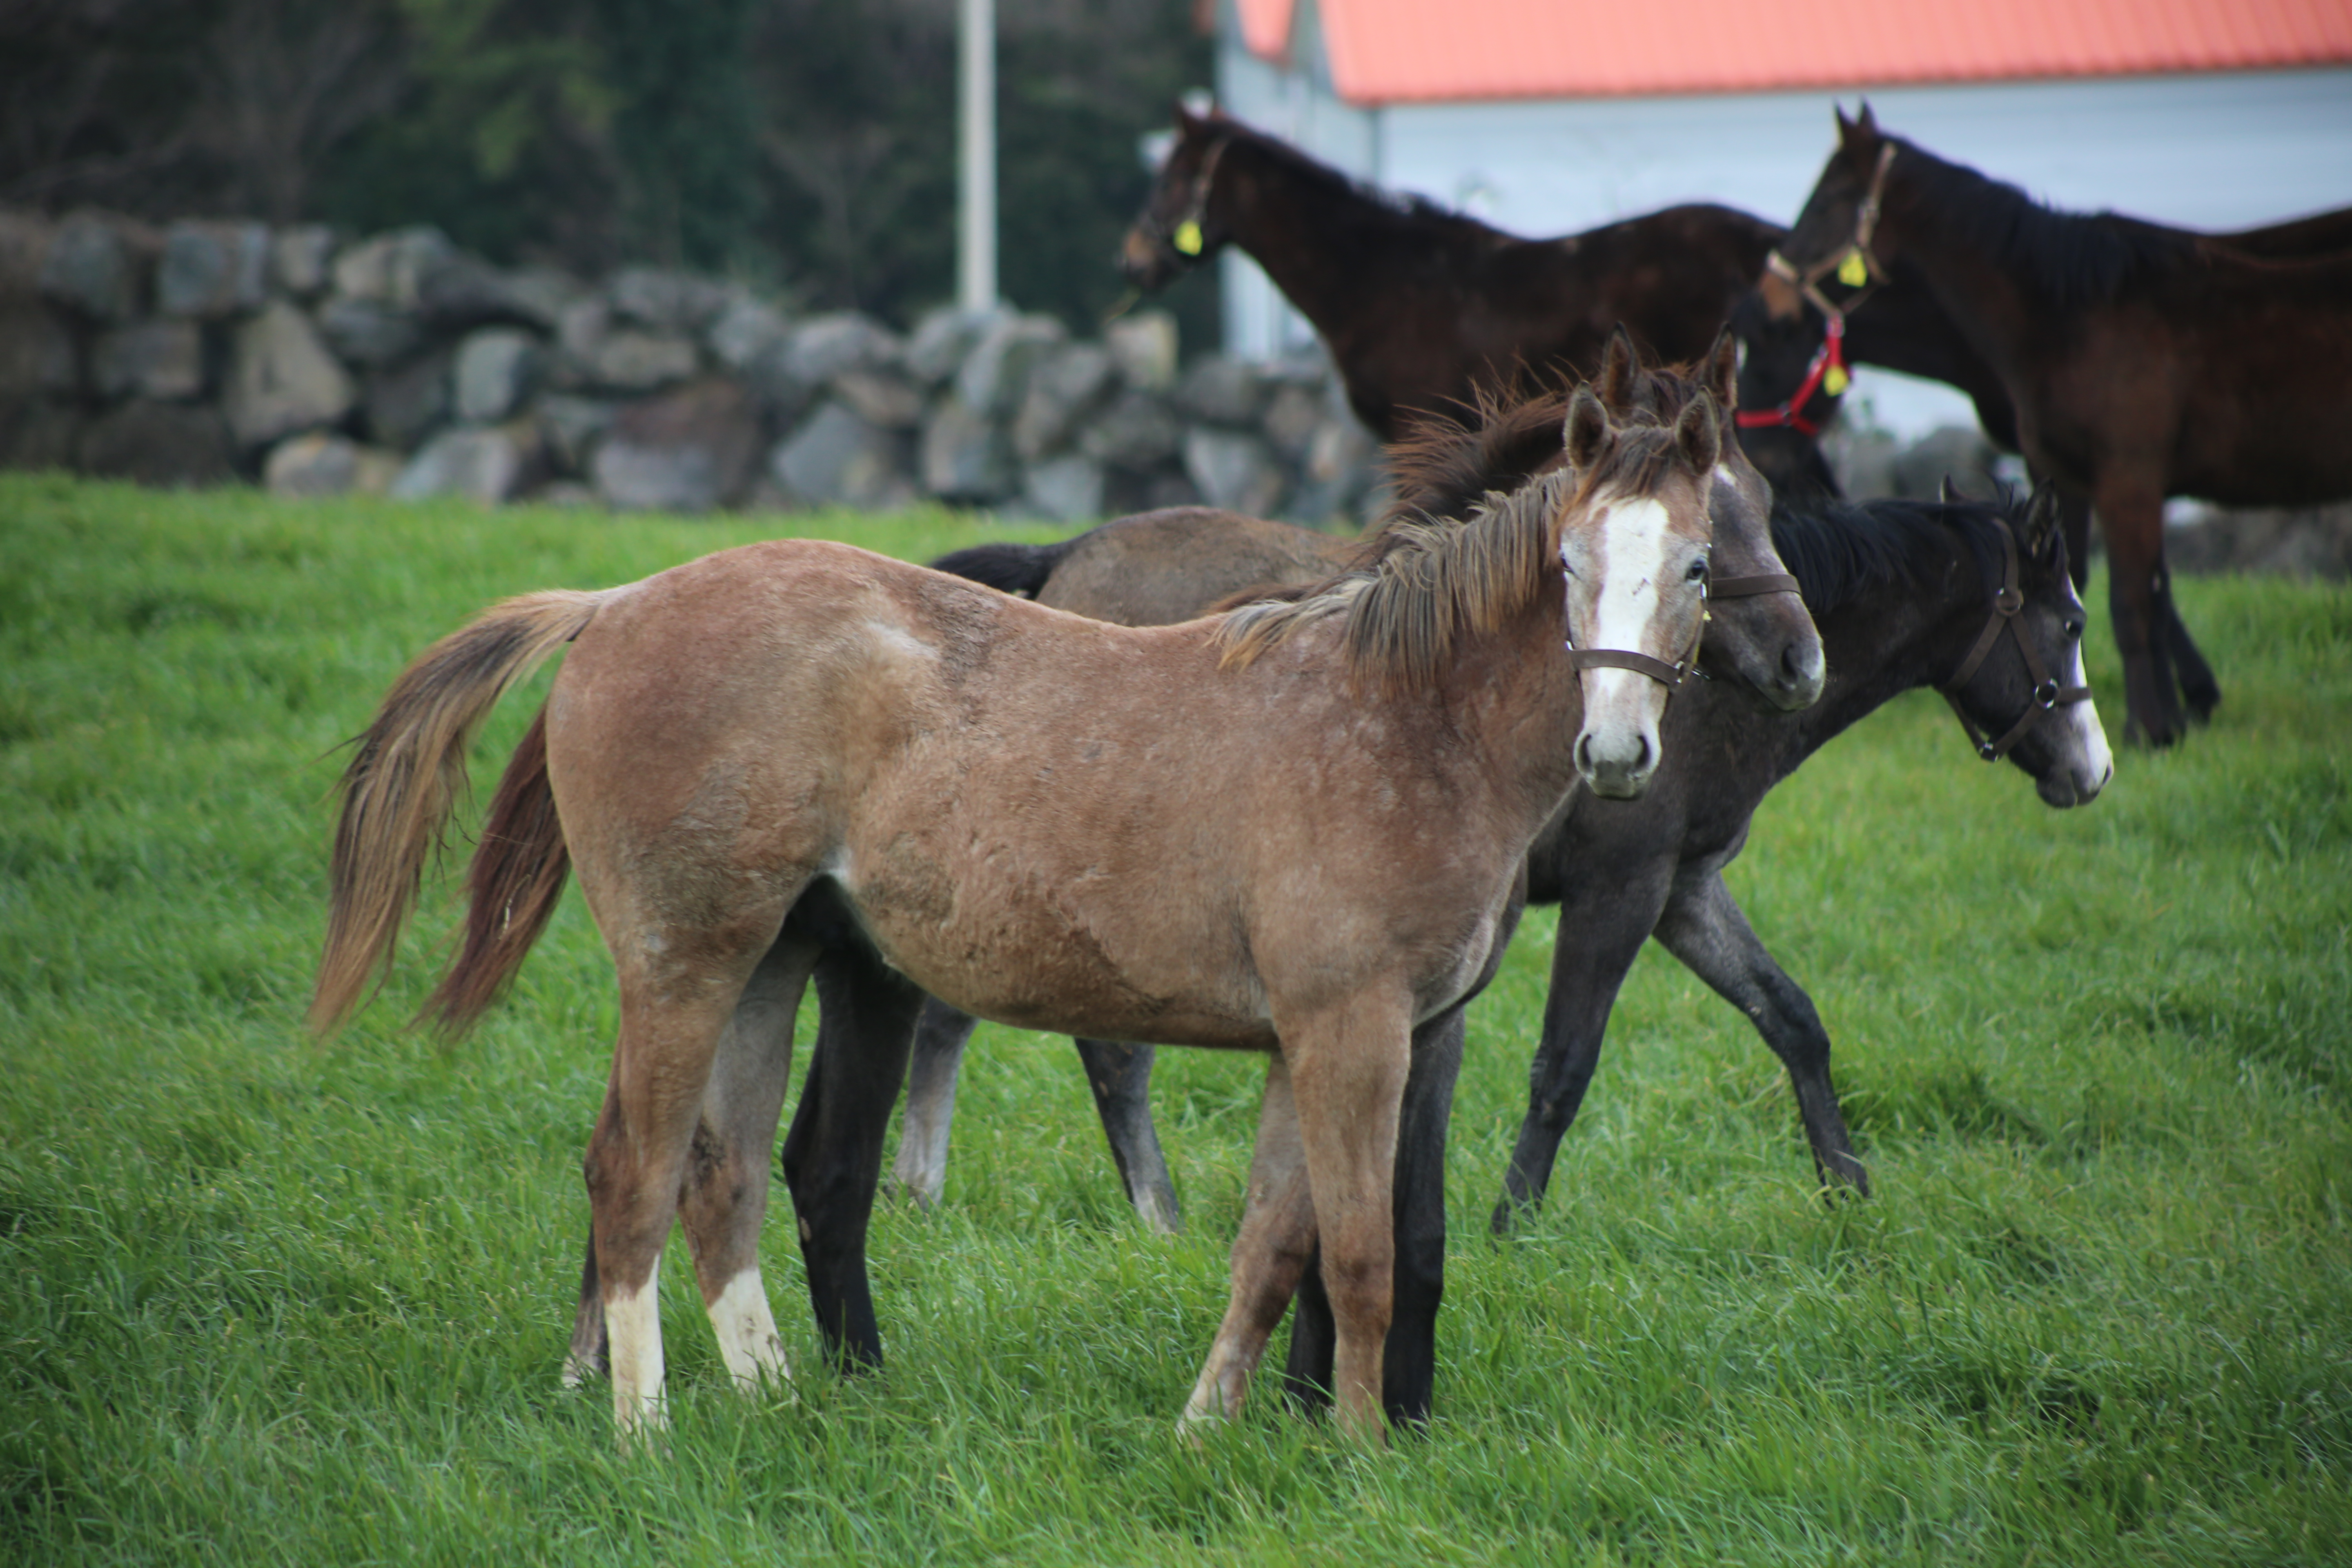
<point x="265" y="1300"/>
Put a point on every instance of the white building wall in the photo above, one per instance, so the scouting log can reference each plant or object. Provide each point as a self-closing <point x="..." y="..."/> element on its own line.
<point x="2216" y="150"/>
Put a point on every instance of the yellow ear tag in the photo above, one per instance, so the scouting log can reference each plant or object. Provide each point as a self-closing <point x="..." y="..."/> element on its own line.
<point x="1853" y="271"/>
<point x="1836" y="381"/>
<point x="1188" y="237"/>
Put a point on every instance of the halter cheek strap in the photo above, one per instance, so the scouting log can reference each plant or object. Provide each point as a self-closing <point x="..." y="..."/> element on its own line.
<point x="1186" y="239"/>
<point x="2048" y="695"/>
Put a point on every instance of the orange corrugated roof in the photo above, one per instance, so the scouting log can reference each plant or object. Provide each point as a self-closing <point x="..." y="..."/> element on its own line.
<point x="1388" y="51"/>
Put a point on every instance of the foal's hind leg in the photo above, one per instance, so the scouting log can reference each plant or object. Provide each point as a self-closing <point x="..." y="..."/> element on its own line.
<point x="677" y="1002"/>
<point x="1702" y="926"/>
<point x="1270" y="1252"/>
<point x="833" y="1155"/>
<point x="940" y="1036"/>
<point x="1120" y="1077"/>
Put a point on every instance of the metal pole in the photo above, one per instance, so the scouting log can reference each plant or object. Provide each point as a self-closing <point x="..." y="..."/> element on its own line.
<point x="976" y="181"/>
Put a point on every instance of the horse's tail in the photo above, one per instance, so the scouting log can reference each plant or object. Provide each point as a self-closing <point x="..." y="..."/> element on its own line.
<point x="1009" y="568"/>
<point x="404" y="780"/>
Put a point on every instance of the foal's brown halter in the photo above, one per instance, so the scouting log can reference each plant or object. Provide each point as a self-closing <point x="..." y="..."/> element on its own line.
<point x="1673" y="675"/>
<point x="2047" y="693"/>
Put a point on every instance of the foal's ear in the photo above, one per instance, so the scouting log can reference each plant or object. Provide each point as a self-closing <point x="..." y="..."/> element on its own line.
<point x="1621" y="370"/>
<point x="1720" y="368"/>
<point x="2042" y="519"/>
<point x="1863" y="128"/>
<point x="1948" y="493"/>
<point x="1585" y="434"/>
<point x="1698" y="433"/>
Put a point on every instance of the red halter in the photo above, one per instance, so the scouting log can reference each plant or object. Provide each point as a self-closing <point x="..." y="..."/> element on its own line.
<point x="1830" y="356"/>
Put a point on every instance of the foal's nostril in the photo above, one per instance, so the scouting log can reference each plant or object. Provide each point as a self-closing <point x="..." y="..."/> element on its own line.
<point x="1585" y="752"/>
<point x="1642" y="758"/>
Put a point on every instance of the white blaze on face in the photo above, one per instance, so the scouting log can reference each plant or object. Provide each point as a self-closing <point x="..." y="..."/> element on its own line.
<point x="746" y="1332"/>
<point x="633" y="1339"/>
<point x="1621" y="706"/>
<point x="2090" y="735"/>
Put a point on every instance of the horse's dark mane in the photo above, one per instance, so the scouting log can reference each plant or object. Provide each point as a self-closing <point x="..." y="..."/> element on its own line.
<point x="1359" y="199"/>
<point x="1840" y="549"/>
<point x="2069" y="260"/>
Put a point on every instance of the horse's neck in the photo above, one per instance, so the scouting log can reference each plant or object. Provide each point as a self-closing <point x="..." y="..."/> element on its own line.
<point x="1511" y="695"/>
<point x="1904" y="326"/>
<point x="1886" y="641"/>
<point x="1990" y="312"/>
<point x="1310" y="235"/>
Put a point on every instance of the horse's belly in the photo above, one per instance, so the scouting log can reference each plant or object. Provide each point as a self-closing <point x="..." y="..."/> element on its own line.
<point x="1104" y="957"/>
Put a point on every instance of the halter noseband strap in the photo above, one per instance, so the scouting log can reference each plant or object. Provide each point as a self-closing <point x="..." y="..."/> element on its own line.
<point x="2048" y="695"/>
<point x="1670" y="676"/>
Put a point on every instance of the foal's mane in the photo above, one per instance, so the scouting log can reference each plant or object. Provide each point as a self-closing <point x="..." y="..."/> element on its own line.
<point x="1839" y="550"/>
<point x="1416" y="584"/>
<point x="2068" y="259"/>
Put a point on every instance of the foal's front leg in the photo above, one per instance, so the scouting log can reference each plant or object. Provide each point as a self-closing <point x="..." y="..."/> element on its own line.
<point x="1703" y="927"/>
<point x="941" y="1034"/>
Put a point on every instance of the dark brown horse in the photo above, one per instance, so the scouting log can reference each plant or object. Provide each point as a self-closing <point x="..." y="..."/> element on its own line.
<point x="1296" y="828"/>
<point x="2140" y="362"/>
<point x="1423" y="308"/>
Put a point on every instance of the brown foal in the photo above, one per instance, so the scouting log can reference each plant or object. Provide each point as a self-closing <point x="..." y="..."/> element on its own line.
<point x="1293" y="828"/>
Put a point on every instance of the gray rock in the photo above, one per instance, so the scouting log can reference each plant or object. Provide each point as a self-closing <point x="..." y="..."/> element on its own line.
<point x="668" y="301"/>
<point x="484" y="465"/>
<point x="404" y="405"/>
<point x="942" y="337"/>
<point x="2295" y="542"/>
<point x="99" y="266"/>
<point x="570" y="427"/>
<point x="282" y="379"/>
<point x="392" y="267"/>
<point x="1233" y="470"/>
<point x="1222" y="390"/>
<point x="1138" y="431"/>
<point x="994" y="376"/>
<point x="630" y="361"/>
<point x="567" y="493"/>
<point x="1959" y="451"/>
<point x="156" y="358"/>
<point x="369" y="332"/>
<point x="582" y="326"/>
<point x="492" y="374"/>
<point x="162" y="444"/>
<point x="965" y="455"/>
<point x="1065" y="385"/>
<point x="687" y="450"/>
<point x="1293" y="415"/>
<point x="38" y="353"/>
<point x="823" y="347"/>
<point x="1144" y="344"/>
<point x="1863" y="458"/>
<point x="1341" y="468"/>
<point x="456" y="292"/>
<point x="744" y="331"/>
<point x="884" y="397"/>
<point x="838" y="459"/>
<point x="1066" y="489"/>
<point x="301" y="260"/>
<point x="212" y="271"/>
<point x="320" y="464"/>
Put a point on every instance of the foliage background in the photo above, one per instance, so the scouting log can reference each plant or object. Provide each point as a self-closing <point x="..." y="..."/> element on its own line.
<point x="803" y="145"/>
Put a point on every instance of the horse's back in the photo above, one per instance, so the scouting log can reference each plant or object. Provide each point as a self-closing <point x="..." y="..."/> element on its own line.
<point x="1158" y="568"/>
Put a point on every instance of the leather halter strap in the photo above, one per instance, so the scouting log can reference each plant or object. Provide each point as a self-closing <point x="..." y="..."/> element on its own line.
<point x="1830" y="356"/>
<point x="1750" y="587"/>
<point x="1196" y="205"/>
<point x="1670" y="676"/>
<point x="2047" y="695"/>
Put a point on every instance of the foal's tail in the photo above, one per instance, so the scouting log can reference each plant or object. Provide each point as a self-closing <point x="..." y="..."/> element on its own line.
<point x="404" y="780"/>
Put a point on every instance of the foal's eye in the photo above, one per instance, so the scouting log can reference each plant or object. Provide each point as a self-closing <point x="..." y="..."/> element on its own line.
<point x="2073" y="628"/>
<point x="1697" y="572"/>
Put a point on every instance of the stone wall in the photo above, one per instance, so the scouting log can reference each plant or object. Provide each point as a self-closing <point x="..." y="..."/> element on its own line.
<point x="207" y="353"/>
